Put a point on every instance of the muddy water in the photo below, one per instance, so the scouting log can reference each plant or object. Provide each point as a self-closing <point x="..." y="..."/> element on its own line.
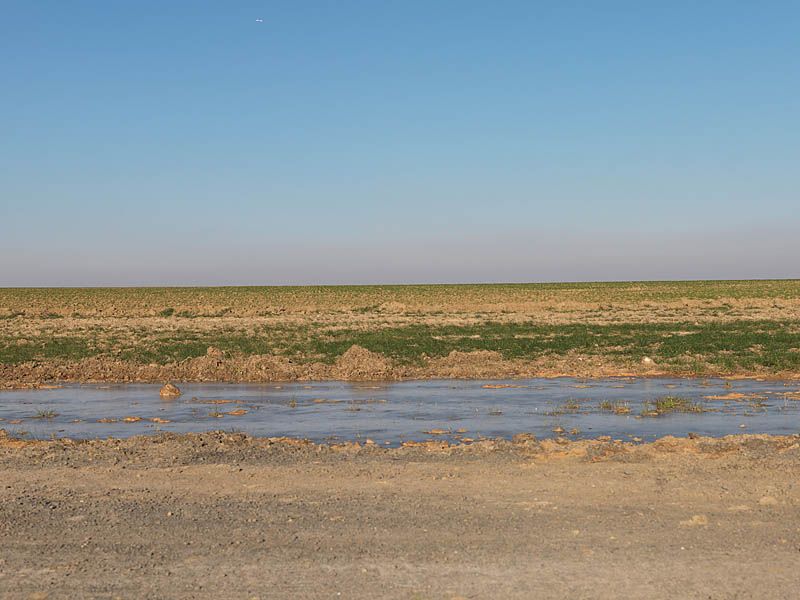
<point x="395" y="412"/>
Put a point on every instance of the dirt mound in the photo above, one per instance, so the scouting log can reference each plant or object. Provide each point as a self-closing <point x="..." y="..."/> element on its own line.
<point x="361" y="364"/>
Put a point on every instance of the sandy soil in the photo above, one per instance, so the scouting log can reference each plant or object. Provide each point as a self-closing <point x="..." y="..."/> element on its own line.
<point x="227" y="516"/>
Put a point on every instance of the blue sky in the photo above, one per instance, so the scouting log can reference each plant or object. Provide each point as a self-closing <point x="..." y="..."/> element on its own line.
<point x="355" y="142"/>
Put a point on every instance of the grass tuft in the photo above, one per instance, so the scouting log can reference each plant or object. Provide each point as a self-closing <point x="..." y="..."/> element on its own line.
<point x="45" y="414"/>
<point x="618" y="407"/>
<point x="672" y="404"/>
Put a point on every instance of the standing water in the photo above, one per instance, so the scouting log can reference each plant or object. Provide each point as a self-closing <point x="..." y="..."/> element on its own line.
<point x="391" y="413"/>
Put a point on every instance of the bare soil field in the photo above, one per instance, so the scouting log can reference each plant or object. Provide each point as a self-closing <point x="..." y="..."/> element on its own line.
<point x="727" y="328"/>
<point x="227" y="516"/>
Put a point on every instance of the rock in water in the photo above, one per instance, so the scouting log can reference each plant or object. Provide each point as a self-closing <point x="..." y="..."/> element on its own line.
<point x="170" y="391"/>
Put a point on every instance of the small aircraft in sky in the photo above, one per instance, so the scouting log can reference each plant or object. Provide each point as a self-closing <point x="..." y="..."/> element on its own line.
<point x="259" y="20"/>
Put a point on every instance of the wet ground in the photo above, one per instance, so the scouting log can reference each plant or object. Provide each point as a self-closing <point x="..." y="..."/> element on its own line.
<point x="391" y="413"/>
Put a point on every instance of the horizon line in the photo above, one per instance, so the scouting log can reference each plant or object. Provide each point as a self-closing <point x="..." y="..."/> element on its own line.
<point x="416" y="284"/>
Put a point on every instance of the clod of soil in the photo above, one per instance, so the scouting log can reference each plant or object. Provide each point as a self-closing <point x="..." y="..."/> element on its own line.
<point x="169" y="391"/>
<point x="437" y="431"/>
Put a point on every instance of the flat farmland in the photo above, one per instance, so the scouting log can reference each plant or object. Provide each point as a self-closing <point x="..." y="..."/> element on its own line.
<point x="696" y="328"/>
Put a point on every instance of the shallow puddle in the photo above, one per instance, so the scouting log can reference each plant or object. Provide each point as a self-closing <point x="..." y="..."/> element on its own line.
<point x="413" y="410"/>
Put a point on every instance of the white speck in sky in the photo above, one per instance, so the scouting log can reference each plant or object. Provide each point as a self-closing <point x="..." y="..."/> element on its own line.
<point x="259" y="20"/>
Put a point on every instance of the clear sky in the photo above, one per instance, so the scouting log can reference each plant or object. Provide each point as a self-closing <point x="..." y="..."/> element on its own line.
<point x="184" y="142"/>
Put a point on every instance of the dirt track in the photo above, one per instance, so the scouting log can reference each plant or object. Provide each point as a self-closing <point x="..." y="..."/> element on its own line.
<point x="226" y="516"/>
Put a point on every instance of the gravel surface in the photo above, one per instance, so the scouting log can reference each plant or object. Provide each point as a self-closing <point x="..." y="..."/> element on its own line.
<point x="228" y="516"/>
